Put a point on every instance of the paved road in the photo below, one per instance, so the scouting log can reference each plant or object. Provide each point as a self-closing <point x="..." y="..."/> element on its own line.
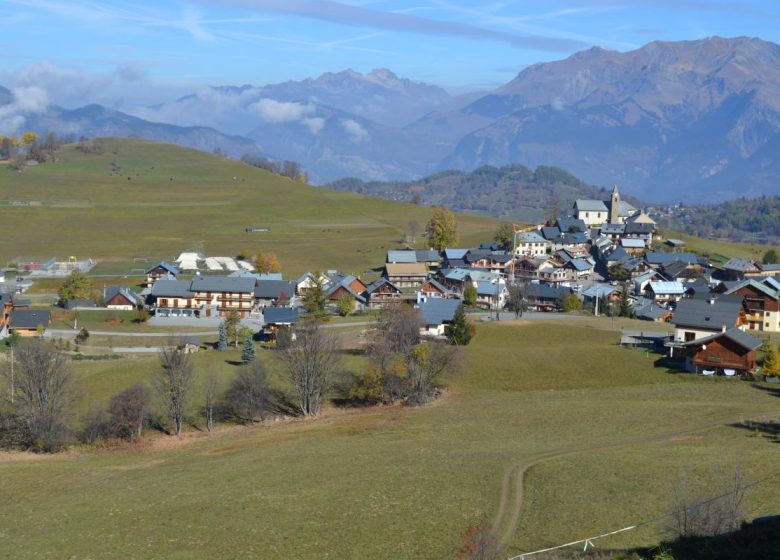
<point x="69" y="332"/>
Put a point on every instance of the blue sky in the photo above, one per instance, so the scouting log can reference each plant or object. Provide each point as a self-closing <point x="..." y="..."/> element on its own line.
<point x="77" y="48"/>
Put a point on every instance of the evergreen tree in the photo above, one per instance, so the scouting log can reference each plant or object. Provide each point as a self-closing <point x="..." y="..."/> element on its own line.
<point x="314" y="301"/>
<point x="459" y="331"/>
<point x="223" y="338"/>
<point x="248" y="351"/>
<point x="625" y="302"/>
<point x="469" y="294"/>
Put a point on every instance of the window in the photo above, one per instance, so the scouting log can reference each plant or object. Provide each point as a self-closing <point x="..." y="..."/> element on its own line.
<point x="689" y="336"/>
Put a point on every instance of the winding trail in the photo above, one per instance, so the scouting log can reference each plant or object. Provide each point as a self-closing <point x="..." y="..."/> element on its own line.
<point x="512" y="484"/>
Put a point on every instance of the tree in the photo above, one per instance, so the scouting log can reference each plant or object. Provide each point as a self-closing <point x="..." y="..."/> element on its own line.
<point x="426" y="362"/>
<point x="315" y="300"/>
<point x="626" y="310"/>
<point x="248" y="392"/>
<point x="43" y="388"/>
<point x="554" y="206"/>
<point x="28" y="138"/>
<point x="516" y="300"/>
<point x="618" y="272"/>
<point x="442" y="229"/>
<point x="232" y="326"/>
<point x="345" y="305"/>
<point x="173" y="383"/>
<point x="266" y="263"/>
<point x="459" y="331"/>
<point x="310" y="362"/>
<point x="569" y="302"/>
<point x="770" y="257"/>
<point x="470" y="294"/>
<point x="480" y="543"/>
<point x="771" y="365"/>
<point x="210" y="395"/>
<point x="76" y="286"/>
<point x="504" y="236"/>
<point x="248" y="353"/>
<point x="283" y="337"/>
<point x="128" y="411"/>
<point x="222" y="343"/>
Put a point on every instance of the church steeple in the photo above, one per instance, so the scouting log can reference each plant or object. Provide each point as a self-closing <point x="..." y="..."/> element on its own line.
<point x="614" y="206"/>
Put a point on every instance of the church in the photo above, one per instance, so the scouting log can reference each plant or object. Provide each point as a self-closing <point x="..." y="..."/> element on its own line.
<point x="599" y="212"/>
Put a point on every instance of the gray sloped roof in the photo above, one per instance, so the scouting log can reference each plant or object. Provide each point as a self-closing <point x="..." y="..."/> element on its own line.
<point x="740" y="337"/>
<point x="580" y="265"/>
<point x="658" y="258"/>
<point x="588" y="205"/>
<point x="437" y="311"/>
<point x="165" y="266"/>
<point x="113" y="291"/>
<point x="550" y="232"/>
<point x="280" y="315"/>
<point x="29" y="318"/>
<point x="172" y="288"/>
<point x="427" y="255"/>
<point x="401" y="257"/>
<point x="272" y="289"/>
<point x="571" y="224"/>
<point x="223" y="284"/>
<point x="455" y="253"/>
<point x="700" y="313"/>
<point x="376" y="284"/>
<point x="545" y="291"/>
<point x="739" y="265"/>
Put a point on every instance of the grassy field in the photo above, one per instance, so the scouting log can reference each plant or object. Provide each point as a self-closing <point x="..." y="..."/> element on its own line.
<point x="168" y="199"/>
<point x="599" y="433"/>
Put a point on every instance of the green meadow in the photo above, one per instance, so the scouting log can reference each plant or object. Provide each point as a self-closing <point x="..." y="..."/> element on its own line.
<point x="552" y="432"/>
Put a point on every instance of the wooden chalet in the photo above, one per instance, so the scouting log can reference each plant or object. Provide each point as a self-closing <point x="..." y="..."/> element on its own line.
<point x="121" y="298"/>
<point x="406" y="275"/>
<point x="761" y="302"/>
<point x="731" y="352"/>
<point x="161" y="270"/>
<point x="383" y="293"/>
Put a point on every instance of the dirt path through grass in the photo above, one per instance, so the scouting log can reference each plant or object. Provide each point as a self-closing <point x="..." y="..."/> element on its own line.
<point x="512" y="484"/>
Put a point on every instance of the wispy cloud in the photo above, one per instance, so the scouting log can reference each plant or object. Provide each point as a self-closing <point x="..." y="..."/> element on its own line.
<point x="360" y="16"/>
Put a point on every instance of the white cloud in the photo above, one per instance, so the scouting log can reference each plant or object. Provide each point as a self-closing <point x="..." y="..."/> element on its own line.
<point x="25" y="101"/>
<point x="314" y="124"/>
<point x="273" y="111"/>
<point x="355" y="130"/>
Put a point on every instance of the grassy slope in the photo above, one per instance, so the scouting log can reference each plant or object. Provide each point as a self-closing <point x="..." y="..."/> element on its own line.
<point x="400" y="482"/>
<point x="87" y="211"/>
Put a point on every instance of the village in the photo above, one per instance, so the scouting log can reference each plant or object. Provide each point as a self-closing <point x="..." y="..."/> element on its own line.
<point x="606" y="258"/>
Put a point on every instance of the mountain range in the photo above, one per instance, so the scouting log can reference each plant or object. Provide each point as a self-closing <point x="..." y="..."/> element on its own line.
<point x="670" y="121"/>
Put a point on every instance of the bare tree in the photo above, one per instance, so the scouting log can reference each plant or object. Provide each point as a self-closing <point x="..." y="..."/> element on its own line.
<point x="719" y="512"/>
<point x="210" y="395"/>
<point x="516" y="299"/>
<point x="173" y="382"/>
<point x="480" y="543"/>
<point x="43" y="381"/>
<point x="129" y="410"/>
<point x="425" y="364"/>
<point x="248" y="392"/>
<point x="310" y="362"/>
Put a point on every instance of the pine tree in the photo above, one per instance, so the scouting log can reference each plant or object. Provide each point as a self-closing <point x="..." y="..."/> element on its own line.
<point x="459" y="331"/>
<point x="469" y="294"/>
<point x="248" y="351"/>
<point x="625" y="302"/>
<point x="223" y="340"/>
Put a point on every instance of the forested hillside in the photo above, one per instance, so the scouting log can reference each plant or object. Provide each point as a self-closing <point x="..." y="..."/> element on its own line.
<point x="513" y="192"/>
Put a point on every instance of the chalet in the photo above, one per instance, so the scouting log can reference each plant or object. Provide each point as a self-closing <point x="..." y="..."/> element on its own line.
<point x="28" y="322"/>
<point x="648" y="310"/>
<point x="602" y="291"/>
<point x="382" y="293"/>
<point x="658" y="260"/>
<point x="699" y="318"/>
<point x="271" y="293"/>
<point x="121" y="298"/>
<point x="683" y="271"/>
<point x="761" y="302"/>
<point x="664" y="292"/>
<point x="638" y="230"/>
<point x="642" y="280"/>
<point x="527" y="268"/>
<point x="161" y="270"/>
<point x="434" y="289"/>
<point x="436" y="315"/>
<point x="307" y="282"/>
<point x="491" y="295"/>
<point x="216" y="296"/>
<point x="406" y="275"/>
<point x="454" y="258"/>
<point x="347" y="286"/>
<point x="495" y="261"/>
<point x="401" y="257"/>
<point x="553" y="272"/>
<point x="454" y="279"/>
<point x="614" y="232"/>
<point x="544" y="297"/>
<point x="633" y="246"/>
<point x="579" y="268"/>
<point x="730" y="352"/>
<point x="275" y="318"/>
<point x="616" y="255"/>
<point x="531" y="244"/>
<point x="738" y="269"/>
<point x="429" y="257"/>
<point x="173" y="298"/>
<point x="571" y="225"/>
